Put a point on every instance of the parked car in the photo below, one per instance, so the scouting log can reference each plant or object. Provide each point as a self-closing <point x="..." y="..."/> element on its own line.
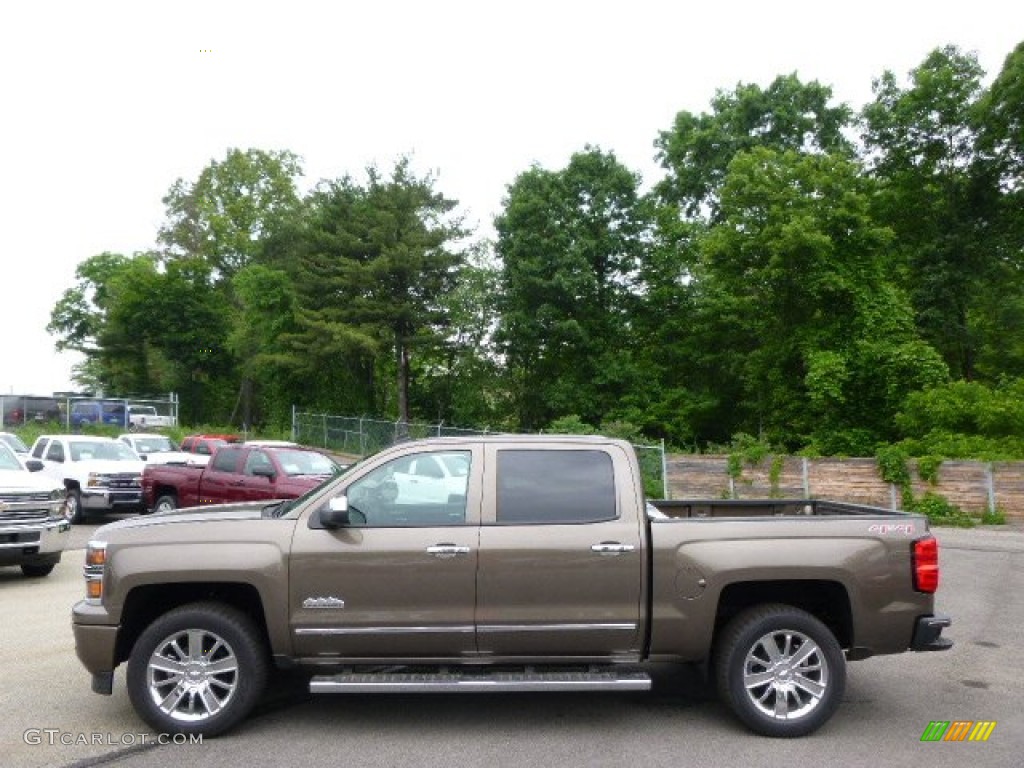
<point x="155" y="448"/>
<point x="201" y="447"/>
<point x="34" y="518"/>
<point x="98" y="473"/>
<point x="236" y="473"/>
<point x="98" y="412"/>
<point x="147" y="417"/>
<point x="26" y="410"/>
<point x="13" y="442"/>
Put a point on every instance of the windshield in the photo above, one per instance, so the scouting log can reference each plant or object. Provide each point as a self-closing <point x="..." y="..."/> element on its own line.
<point x="14" y="442"/>
<point x="305" y="463"/>
<point x="154" y="445"/>
<point x="8" y="459"/>
<point x="82" y="450"/>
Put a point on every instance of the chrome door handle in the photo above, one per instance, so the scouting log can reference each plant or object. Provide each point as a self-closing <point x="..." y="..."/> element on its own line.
<point x="446" y="551"/>
<point x="612" y="548"/>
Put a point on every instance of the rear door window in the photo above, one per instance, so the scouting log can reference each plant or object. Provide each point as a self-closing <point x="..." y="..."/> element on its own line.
<point x="226" y="459"/>
<point x="555" y="487"/>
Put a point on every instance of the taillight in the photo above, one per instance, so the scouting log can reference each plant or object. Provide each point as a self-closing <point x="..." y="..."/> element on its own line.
<point x="926" y="565"/>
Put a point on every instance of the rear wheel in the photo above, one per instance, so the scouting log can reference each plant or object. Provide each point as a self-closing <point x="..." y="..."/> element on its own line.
<point x="198" y="669"/>
<point x="780" y="670"/>
<point x="165" y="503"/>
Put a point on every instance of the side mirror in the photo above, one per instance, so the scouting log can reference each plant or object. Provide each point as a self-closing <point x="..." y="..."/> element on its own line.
<point x="267" y="472"/>
<point x="338" y="515"/>
<point x="34" y="465"/>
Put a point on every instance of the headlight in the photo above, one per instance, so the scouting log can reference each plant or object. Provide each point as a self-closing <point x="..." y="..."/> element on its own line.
<point x="96" y="480"/>
<point x="58" y="503"/>
<point x="95" y="562"/>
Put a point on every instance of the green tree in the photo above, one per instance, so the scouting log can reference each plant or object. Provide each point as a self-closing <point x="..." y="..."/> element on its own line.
<point x="922" y="144"/>
<point x="795" y="299"/>
<point x="226" y="215"/>
<point x="570" y="244"/>
<point x="787" y="115"/>
<point x="372" y="272"/>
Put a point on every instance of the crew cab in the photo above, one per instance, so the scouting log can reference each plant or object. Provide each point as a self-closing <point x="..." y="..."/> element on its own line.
<point x="34" y="520"/>
<point x="236" y="473"/>
<point x="99" y="474"/>
<point x="545" y="569"/>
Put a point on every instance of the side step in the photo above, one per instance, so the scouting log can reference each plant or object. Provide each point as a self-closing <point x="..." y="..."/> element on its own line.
<point x="480" y="681"/>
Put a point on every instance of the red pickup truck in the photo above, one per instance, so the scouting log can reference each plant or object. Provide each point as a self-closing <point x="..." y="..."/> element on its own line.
<point x="236" y="473"/>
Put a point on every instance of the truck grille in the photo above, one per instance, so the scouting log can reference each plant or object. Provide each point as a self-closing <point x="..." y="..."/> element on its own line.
<point x="125" y="480"/>
<point x="24" y="507"/>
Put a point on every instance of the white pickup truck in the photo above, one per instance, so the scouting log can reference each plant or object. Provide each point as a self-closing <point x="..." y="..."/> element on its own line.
<point x="146" y="417"/>
<point x="34" y="521"/>
<point x="98" y="473"/>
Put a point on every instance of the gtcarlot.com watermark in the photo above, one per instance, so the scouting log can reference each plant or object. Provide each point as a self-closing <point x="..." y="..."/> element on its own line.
<point x="53" y="737"/>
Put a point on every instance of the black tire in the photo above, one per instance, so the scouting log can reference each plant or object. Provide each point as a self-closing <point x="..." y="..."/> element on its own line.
<point x="205" y="701"/>
<point x="37" y="571"/>
<point x="165" y="503"/>
<point x="792" y="695"/>
<point x="74" y="501"/>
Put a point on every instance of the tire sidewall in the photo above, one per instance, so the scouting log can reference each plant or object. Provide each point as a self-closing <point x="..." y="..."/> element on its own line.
<point x="236" y="630"/>
<point x="741" y="635"/>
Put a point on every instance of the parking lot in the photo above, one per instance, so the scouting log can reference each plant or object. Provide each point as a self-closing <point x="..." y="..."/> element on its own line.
<point x="49" y="717"/>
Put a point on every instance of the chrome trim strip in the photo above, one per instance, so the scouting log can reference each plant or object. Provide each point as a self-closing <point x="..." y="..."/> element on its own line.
<point x="556" y="627"/>
<point x="383" y="630"/>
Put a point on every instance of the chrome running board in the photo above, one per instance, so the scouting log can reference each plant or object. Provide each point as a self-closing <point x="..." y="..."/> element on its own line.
<point x="480" y="681"/>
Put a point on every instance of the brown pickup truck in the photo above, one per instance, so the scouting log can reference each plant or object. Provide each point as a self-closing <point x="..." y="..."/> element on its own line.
<point x="502" y="564"/>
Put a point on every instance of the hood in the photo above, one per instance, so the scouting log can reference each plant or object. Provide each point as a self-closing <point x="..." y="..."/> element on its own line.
<point x="169" y="457"/>
<point x="20" y="481"/>
<point x="250" y="510"/>
<point x="109" y="466"/>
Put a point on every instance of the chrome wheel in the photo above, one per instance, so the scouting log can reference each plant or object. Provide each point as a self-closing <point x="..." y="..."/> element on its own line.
<point x="780" y="670"/>
<point x="785" y="675"/>
<point x="192" y="675"/>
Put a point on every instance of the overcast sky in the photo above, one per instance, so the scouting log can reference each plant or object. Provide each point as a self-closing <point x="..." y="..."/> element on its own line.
<point x="103" y="105"/>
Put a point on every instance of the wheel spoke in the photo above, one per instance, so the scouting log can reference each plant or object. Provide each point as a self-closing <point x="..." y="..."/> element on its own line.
<point x="170" y="702"/>
<point x="210" y="702"/>
<point x="195" y="645"/>
<point x="167" y="665"/>
<point x="757" y="679"/>
<point x="771" y="647"/>
<point x="222" y="666"/>
<point x="816" y="689"/>
<point x="805" y="651"/>
<point x="781" y="704"/>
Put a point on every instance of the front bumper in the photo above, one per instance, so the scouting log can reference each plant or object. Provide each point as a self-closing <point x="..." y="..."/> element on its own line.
<point x="94" y="498"/>
<point x="95" y="644"/>
<point x="28" y="541"/>
<point x="928" y="633"/>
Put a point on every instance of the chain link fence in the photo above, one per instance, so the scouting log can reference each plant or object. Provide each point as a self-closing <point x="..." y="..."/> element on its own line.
<point x="357" y="436"/>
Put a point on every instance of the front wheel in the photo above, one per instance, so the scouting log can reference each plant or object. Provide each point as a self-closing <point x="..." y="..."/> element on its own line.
<point x="74" y="504"/>
<point x="36" y="571"/>
<point x="198" y="669"/>
<point x="780" y="670"/>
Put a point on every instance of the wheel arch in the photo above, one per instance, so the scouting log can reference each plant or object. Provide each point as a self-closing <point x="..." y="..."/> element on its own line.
<point x="826" y="600"/>
<point x="144" y="604"/>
